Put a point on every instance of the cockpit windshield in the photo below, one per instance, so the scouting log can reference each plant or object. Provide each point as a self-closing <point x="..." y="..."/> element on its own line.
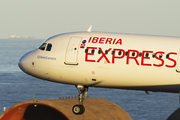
<point x="43" y="46"/>
<point x="49" y="47"/>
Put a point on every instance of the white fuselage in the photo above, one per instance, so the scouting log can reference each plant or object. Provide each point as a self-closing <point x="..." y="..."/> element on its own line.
<point x="109" y="60"/>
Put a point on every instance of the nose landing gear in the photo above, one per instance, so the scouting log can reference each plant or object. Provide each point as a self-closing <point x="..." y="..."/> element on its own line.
<point x="80" y="109"/>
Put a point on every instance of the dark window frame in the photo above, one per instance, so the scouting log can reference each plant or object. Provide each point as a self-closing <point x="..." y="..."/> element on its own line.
<point x="43" y="46"/>
<point x="49" y="47"/>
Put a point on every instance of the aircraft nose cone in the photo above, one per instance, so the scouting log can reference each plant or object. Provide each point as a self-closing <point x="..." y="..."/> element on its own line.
<point x="25" y="62"/>
<point x="22" y="64"/>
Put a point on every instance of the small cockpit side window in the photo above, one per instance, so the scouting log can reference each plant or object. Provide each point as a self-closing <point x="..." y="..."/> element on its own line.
<point x="42" y="47"/>
<point x="49" y="46"/>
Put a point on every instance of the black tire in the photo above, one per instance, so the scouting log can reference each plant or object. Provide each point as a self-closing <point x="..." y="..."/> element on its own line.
<point x="82" y="109"/>
<point x="78" y="109"/>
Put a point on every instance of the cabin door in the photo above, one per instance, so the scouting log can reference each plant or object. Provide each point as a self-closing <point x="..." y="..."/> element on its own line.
<point x="71" y="57"/>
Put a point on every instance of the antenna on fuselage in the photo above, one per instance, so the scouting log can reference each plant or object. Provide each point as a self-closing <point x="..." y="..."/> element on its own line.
<point x="89" y="29"/>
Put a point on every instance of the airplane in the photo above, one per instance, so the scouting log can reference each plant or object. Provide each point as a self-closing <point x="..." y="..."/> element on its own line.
<point x="107" y="60"/>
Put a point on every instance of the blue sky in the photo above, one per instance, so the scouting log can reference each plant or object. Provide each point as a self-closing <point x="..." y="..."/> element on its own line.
<point x="44" y="18"/>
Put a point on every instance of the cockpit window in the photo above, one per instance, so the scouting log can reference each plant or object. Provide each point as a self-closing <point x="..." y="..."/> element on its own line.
<point x="49" y="46"/>
<point x="43" y="46"/>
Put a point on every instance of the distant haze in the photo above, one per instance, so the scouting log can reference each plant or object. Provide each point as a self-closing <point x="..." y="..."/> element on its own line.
<point x="44" y="18"/>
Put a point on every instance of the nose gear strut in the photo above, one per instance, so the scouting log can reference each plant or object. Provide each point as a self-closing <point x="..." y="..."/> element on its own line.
<point x="79" y="108"/>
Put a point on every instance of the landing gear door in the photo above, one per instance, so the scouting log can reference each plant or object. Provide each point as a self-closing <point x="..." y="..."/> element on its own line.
<point x="71" y="57"/>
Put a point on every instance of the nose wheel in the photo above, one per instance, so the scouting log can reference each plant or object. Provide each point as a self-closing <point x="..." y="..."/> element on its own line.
<point x="79" y="109"/>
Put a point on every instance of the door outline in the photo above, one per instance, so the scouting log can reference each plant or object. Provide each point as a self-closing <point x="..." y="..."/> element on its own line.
<point x="71" y="56"/>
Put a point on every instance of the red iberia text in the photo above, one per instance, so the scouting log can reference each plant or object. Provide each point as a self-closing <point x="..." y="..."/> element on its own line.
<point x="104" y="40"/>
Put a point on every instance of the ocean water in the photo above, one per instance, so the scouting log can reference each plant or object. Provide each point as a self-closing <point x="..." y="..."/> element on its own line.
<point x="16" y="86"/>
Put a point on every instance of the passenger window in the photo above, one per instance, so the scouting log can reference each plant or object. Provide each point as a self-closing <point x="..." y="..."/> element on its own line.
<point x="119" y="53"/>
<point x="86" y="50"/>
<point x="126" y="53"/>
<point x="147" y="54"/>
<point x="140" y="54"/>
<point x="49" y="46"/>
<point x="153" y="55"/>
<point x="99" y="51"/>
<point x="167" y="56"/>
<point x="160" y="55"/>
<point x="92" y="51"/>
<point x="113" y="52"/>
<point x="106" y="52"/>
<point x="133" y="54"/>
<point x="42" y="47"/>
